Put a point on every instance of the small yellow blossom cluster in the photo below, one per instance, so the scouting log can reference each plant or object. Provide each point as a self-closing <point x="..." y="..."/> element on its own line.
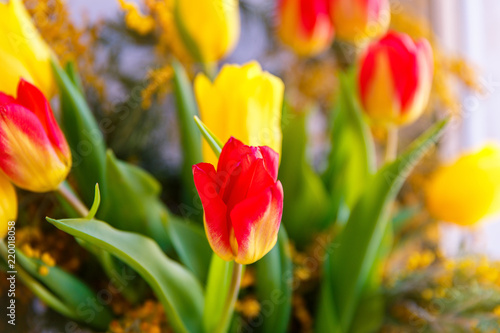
<point x="45" y="257"/>
<point x="135" y="20"/>
<point x="148" y="318"/>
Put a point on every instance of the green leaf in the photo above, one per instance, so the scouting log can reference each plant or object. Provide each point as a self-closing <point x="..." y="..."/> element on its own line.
<point x="353" y="261"/>
<point x="83" y="135"/>
<point x="212" y="140"/>
<point x="191" y="245"/>
<point x="326" y="316"/>
<point x="190" y="135"/>
<point x="177" y="289"/>
<point x="219" y="280"/>
<point x="352" y="157"/>
<point x="306" y="198"/>
<point x="65" y="293"/>
<point x="274" y="286"/>
<point x="133" y="202"/>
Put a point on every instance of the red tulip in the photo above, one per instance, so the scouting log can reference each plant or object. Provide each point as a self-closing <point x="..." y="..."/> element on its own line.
<point x="395" y="79"/>
<point x="243" y="201"/>
<point x="305" y="25"/>
<point x="34" y="153"/>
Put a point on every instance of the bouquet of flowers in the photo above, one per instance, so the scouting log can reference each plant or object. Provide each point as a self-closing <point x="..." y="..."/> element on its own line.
<point x="296" y="200"/>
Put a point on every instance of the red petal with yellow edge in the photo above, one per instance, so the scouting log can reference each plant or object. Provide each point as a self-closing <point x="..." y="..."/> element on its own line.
<point x="271" y="160"/>
<point x="33" y="99"/>
<point x="217" y="227"/>
<point x="256" y="223"/>
<point x="26" y="154"/>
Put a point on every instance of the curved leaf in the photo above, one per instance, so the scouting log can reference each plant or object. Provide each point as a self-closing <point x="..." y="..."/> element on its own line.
<point x="353" y="261"/>
<point x="177" y="289"/>
<point x="352" y="157"/>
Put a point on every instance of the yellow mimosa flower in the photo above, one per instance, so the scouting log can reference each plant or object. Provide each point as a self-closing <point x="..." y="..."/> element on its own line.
<point x="468" y="190"/>
<point x="23" y="52"/>
<point x="244" y="102"/>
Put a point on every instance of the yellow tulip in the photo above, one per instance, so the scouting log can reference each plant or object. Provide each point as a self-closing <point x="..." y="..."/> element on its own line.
<point x="23" y="52"/>
<point x="468" y="190"/>
<point x="209" y="28"/>
<point x="244" y="102"/>
<point x="8" y="204"/>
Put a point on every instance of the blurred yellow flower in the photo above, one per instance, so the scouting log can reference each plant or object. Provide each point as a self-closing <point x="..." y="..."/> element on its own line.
<point x="135" y="20"/>
<point x="8" y="204"/>
<point x="244" y="102"/>
<point x="468" y="190"/>
<point x="23" y="52"/>
<point x="209" y="28"/>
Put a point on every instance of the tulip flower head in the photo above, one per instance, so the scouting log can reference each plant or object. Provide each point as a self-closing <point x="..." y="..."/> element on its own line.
<point x="242" y="201"/>
<point x="243" y="102"/>
<point x="8" y="204"/>
<point x="209" y="29"/>
<point x="34" y="153"/>
<point x="468" y="190"/>
<point x="356" y="21"/>
<point x="23" y="52"/>
<point x="305" y="25"/>
<point x="395" y="79"/>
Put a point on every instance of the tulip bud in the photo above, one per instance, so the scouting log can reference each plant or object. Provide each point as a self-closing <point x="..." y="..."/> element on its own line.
<point x="395" y="79"/>
<point x="243" y="102"/>
<point x="209" y="29"/>
<point x="242" y="201"/>
<point x="305" y="25"/>
<point x="23" y="52"/>
<point x="468" y="190"/>
<point x="34" y="153"/>
<point x="358" y="20"/>
<point x="8" y="204"/>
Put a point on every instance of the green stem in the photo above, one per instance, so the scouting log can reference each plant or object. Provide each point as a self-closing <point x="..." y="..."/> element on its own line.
<point x="391" y="148"/>
<point x="75" y="202"/>
<point x="232" y="295"/>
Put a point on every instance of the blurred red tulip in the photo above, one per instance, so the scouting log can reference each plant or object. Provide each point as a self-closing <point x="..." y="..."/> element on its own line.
<point x="34" y="153"/>
<point x="358" y="20"/>
<point x="305" y="25"/>
<point x="243" y="201"/>
<point x="395" y="79"/>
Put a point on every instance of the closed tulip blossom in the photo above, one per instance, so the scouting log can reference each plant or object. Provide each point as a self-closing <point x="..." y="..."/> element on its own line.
<point x="23" y="52"/>
<point x="243" y="101"/>
<point x="305" y="25"/>
<point x="467" y="190"/>
<point x="8" y="204"/>
<point x="34" y="153"/>
<point x="356" y="21"/>
<point x="242" y="201"/>
<point x="209" y="29"/>
<point x="395" y="79"/>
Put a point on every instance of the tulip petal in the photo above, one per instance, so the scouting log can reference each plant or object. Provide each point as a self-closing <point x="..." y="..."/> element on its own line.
<point x="217" y="227"/>
<point x="24" y="147"/>
<point x="272" y="161"/>
<point x="33" y="99"/>
<point x="256" y="222"/>
<point x="8" y="204"/>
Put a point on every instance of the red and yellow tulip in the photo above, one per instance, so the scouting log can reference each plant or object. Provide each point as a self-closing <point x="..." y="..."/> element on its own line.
<point x="395" y="79"/>
<point x="244" y="102"/>
<point x="242" y="201"/>
<point x="34" y="153"/>
<point x="305" y="25"/>
<point x="23" y="52"/>
<point x="8" y="204"/>
<point x="356" y="21"/>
